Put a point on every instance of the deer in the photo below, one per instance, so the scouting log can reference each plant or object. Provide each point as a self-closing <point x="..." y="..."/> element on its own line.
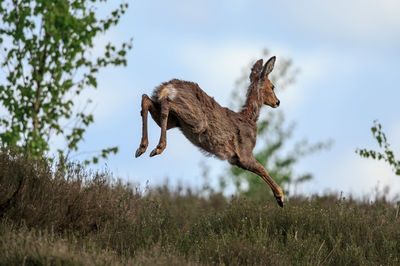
<point x="216" y="130"/>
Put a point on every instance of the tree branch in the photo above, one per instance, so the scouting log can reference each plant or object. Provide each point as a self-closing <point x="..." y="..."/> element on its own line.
<point x="39" y="85"/>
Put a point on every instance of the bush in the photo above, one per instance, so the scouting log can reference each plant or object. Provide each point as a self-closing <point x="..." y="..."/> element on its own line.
<point x="72" y="216"/>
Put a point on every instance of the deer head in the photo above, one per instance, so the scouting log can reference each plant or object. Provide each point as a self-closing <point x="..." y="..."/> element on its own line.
<point x="259" y="81"/>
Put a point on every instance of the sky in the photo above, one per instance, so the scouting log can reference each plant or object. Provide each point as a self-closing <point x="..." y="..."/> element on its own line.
<point x="347" y="53"/>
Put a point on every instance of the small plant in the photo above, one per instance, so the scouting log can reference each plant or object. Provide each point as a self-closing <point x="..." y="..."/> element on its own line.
<point x="387" y="155"/>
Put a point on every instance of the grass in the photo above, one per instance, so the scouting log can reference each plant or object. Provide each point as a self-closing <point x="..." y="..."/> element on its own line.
<point x="71" y="216"/>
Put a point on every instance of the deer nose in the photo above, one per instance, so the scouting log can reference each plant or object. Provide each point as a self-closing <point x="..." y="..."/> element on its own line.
<point x="277" y="104"/>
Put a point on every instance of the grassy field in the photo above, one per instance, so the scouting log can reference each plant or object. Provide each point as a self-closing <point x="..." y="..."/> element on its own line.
<point x="74" y="217"/>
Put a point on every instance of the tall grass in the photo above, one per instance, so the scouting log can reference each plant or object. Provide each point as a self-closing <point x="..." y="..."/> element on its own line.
<point x="55" y="216"/>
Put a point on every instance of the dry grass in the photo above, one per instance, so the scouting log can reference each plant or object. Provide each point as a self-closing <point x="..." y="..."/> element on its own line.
<point x="74" y="217"/>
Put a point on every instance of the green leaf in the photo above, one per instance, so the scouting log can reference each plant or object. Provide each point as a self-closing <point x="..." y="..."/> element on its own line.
<point x="92" y="81"/>
<point x="388" y="155"/>
<point x="379" y="139"/>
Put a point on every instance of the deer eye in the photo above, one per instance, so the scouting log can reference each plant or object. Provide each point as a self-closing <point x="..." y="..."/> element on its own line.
<point x="273" y="87"/>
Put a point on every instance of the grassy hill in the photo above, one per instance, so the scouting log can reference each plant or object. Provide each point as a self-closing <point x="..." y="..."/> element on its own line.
<point x="71" y="216"/>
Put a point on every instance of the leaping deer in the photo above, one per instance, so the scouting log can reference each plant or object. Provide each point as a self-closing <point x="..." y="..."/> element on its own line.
<point x="215" y="129"/>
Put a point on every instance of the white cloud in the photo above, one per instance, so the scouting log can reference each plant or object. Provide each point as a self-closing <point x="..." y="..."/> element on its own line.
<point x="313" y="69"/>
<point x="198" y="12"/>
<point x="360" y="177"/>
<point x="217" y="66"/>
<point x="363" y="20"/>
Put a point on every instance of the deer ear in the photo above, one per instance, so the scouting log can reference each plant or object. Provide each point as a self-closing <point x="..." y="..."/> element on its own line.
<point x="256" y="70"/>
<point x="268" y="67"/>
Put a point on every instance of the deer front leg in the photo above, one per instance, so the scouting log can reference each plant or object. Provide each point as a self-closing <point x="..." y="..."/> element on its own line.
<point x="147" y="104"/>
<point x="255" y="167"/>
<point x="163" y="124"/>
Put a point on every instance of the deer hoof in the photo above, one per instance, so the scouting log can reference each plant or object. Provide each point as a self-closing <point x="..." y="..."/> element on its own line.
<point x="138" y="152"/>
<point x="158" y="150"/>
<point x="279" y="200"/>
<point x="142" y="148"/>
<point x="154" y="152"/>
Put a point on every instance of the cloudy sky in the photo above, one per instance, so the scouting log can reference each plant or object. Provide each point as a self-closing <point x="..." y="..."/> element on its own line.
<point x="347" y="53"/>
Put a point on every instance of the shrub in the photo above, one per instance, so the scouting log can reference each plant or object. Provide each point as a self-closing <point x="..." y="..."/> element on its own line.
<point x="72" y="216"/>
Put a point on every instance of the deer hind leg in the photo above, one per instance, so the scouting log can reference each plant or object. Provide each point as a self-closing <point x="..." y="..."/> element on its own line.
<point x="147" y="105"/>
<point x="253" y="166"/>
<point x="164" y="126"/>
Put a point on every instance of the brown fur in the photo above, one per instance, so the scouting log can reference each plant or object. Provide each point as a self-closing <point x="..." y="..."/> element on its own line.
<point x="214" y="129"/>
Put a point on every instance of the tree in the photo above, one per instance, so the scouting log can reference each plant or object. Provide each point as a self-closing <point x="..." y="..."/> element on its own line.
<point x="387" y="155"/>
<point x="274" y="135"/>
<point x="46" y="54"/>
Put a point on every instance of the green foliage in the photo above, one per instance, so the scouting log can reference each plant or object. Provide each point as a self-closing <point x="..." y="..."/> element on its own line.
<point x="387" y="155"/>
<point x="274" y="136"/>
<point x="46" y="54"/>
<point x="74" y="217"/>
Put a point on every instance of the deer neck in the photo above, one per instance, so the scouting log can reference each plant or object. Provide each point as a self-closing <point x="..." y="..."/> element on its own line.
<point x="251" y="108"/>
